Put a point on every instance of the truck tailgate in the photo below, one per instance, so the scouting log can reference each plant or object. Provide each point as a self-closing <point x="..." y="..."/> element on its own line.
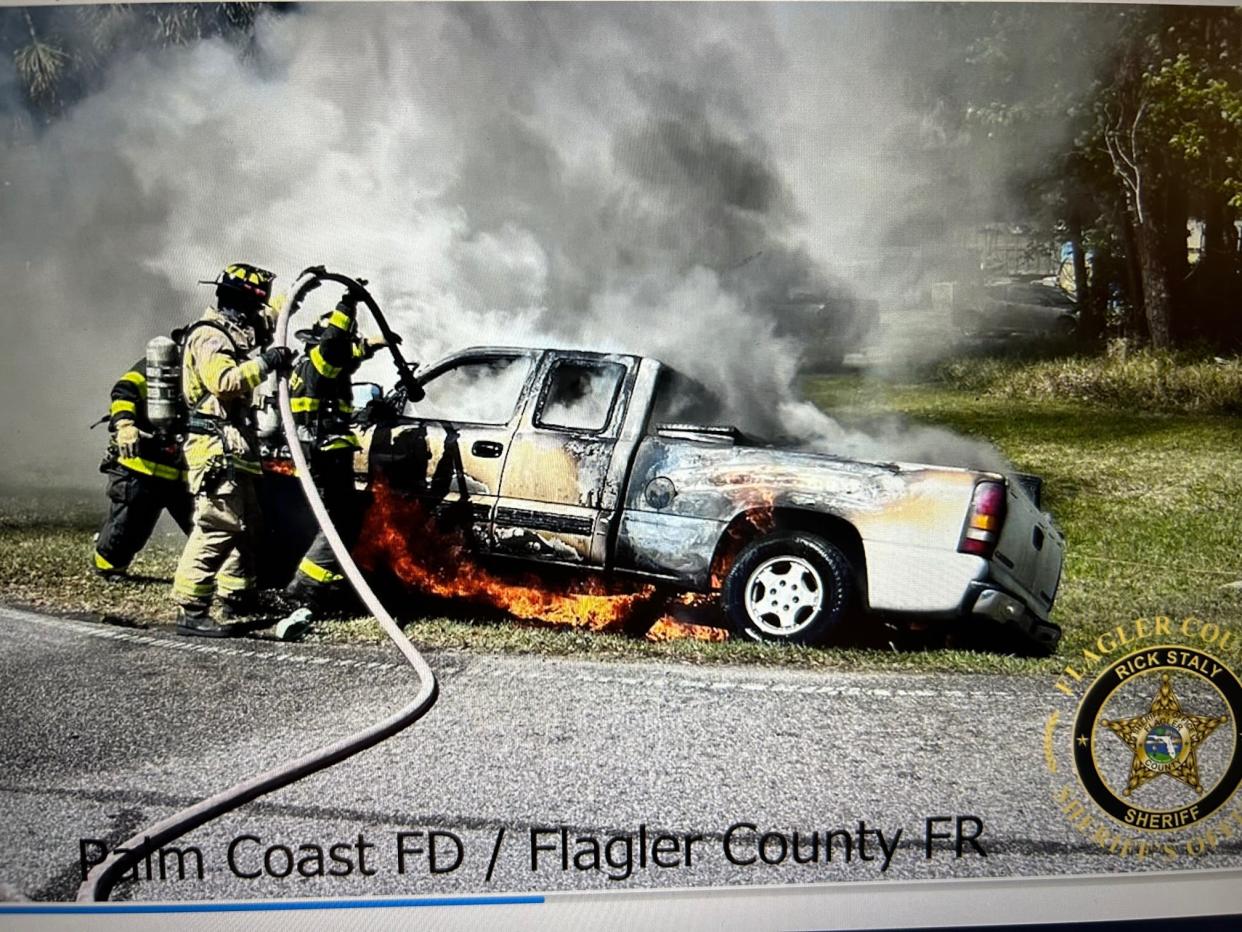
<point x="1028" y="556"/>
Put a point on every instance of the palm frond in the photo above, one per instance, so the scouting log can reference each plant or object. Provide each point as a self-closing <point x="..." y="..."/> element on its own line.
<point x="180" y="25"/>
<point x="105" y="24"/>
<point x="41" y="65"/>
<point x="237" y="15"/>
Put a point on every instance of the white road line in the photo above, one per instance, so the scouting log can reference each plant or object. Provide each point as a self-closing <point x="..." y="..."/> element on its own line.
<point x="697" y="684"/>
<point x="113" y="634"/>
<point x="653" y="684"/>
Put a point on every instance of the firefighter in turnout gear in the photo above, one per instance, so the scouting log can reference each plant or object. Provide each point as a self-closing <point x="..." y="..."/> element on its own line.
<point x="320" y="394"/>
<point x="146" y="475"/>
<point x="218" y="380"/>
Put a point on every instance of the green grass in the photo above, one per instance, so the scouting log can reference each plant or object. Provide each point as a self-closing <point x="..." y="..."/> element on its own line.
<point x="1148" y="502"/>
<point x="47" y="567"/>
<point x="1159" y="382"/>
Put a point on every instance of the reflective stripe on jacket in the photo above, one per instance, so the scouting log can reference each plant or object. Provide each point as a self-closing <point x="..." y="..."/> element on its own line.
<point x="320" y="392"/>
<point x="158" y="455"/>
<point x="218" y="383"/>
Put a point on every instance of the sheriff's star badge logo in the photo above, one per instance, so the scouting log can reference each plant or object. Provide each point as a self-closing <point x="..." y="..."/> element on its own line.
<point x="1165" y="740"/>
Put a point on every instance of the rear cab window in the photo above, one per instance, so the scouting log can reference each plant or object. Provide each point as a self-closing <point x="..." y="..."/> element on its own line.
<point x="579" y="395"/>
<point x="682" y="400"/>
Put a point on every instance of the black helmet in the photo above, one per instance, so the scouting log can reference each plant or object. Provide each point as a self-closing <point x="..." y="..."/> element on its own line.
<point x="314" y="333"/>
<point x="243" y="287"/>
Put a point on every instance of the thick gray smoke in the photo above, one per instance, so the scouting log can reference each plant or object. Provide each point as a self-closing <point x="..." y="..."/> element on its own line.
<point x="644" y="178"/>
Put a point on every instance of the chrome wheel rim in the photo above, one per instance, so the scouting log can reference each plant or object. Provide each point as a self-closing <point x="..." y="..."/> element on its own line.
<point x="784" y="595"/>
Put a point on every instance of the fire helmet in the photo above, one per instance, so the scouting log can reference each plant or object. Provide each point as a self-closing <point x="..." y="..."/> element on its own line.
<point x="243" y="287"/>
<point x="313" y="334"/>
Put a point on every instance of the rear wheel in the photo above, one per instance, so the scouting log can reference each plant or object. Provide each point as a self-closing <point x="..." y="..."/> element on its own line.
<point x="789" y="588"/>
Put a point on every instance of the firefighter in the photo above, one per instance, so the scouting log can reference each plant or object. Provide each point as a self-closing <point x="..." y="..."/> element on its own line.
<point x="320" y="394"/>
<point x="146" y="475"/>
<point x="221" y="450"/>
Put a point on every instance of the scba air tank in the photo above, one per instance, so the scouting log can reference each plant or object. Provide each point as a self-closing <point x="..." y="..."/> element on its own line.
<point x="163" y="382"/>
<point x="267" y="416"/>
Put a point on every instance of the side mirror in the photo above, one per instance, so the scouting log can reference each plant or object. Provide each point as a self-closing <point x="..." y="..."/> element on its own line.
<point x="364" y="393"/>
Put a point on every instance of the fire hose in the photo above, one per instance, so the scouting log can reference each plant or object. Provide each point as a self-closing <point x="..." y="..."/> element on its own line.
<point x="101" y="879"/>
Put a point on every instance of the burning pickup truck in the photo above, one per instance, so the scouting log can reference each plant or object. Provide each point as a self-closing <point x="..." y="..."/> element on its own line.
<point x="599" y="463"/>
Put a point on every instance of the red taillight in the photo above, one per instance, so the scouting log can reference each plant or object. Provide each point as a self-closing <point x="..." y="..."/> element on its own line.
<point x="983" y="521"/>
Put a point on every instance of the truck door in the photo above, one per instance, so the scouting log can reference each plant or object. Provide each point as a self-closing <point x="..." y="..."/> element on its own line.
<point x="449" y="449"/>
<point x="556" y="493"/>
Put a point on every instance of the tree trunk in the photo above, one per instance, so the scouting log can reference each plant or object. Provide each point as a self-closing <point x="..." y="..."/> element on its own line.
<point x="1210" y="274"/>
<point x="1213" y="244"/>
<point x="1152" y="245"/>
<point x="1220" y="236"/>
<point x="1136" y="320"/>
<point x="1216" y="281"/>
<point x="1090" y="316"/>
<point x="1184" y="316"/>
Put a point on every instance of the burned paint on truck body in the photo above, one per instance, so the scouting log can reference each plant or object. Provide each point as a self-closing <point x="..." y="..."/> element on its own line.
<point x="579" y="468"/>
<point x="908" y="519"/>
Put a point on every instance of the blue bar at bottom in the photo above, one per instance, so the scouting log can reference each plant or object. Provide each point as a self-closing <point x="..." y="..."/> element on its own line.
<point x="11" y="909"/>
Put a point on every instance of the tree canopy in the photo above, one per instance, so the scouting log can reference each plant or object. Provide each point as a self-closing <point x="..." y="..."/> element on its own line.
<point x="1113" y="128"/>
<point x="59" y="54"/>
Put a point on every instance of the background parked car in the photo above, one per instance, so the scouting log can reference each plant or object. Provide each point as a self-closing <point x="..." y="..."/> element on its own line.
<point x="1007" y="307"/>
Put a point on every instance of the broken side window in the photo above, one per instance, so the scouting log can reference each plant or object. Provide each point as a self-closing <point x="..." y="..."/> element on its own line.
<point x="474" y="391"/>
<point x="681" y="400"/>
<point x="580" y="395"/>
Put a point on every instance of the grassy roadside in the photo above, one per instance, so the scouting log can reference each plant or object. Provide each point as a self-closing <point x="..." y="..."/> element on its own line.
<point x="1168" y="382"/>
<point x="44" y="566"/>
<point x="1147" y="501"/>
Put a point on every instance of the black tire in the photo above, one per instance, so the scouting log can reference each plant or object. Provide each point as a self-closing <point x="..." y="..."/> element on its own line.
<point x="788" y="555"/>
<point x="1043" y="639"/>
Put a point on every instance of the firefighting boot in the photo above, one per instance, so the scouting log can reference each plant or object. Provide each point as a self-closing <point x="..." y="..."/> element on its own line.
<point x="106" y="571"/>
<point x="195" y="622"/>
<point x="276" y="603"/>
<point x="295" y="625"/>
<point x="233" y="609"/>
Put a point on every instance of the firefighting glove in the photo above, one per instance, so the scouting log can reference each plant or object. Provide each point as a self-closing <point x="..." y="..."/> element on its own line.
<point x="127" y="440"/>
<point x="379" y="411"/>
<point x="277" y="359"/>
<point x="372" y="345"/>
<point x="264" y="326"/>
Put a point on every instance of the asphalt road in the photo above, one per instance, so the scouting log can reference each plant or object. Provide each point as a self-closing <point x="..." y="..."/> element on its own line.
<point x="108" y="729"/>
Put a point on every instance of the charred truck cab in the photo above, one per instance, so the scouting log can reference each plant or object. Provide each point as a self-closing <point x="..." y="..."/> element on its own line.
<point x="598" y="461"/>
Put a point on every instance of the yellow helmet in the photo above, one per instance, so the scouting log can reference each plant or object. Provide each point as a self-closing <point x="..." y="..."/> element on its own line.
<point x="243" y="286"/>
<point x="249" y="279"/>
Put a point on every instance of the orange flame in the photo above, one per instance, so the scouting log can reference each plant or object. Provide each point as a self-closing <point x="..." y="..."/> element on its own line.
<point x="398" y="533"/>
<point x="758" y="519"/>
<point x="669" y="629"/>
<point x="279" y="467"/>
<point x="666" y="629"/>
